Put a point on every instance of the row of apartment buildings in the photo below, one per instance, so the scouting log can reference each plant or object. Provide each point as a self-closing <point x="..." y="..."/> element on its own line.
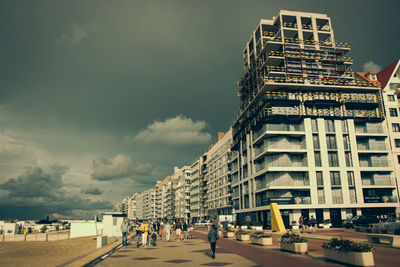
<point x="311" y="135"/>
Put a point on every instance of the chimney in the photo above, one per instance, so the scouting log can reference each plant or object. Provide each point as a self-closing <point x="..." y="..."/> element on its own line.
<point x="220" y="135"/>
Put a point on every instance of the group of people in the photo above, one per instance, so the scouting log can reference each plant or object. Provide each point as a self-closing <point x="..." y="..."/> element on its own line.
<point x="305" y="222"/>
<point x="151" y="231"/>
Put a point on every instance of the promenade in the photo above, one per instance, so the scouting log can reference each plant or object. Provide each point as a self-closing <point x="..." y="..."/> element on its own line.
<point x="193" y="252"/>
<point x="196" y="252"/>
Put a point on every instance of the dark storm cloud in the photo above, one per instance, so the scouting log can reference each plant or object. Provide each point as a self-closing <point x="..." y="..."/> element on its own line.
<point x="42" y="191"/>
<point x="77" y="77"/>
<point x="92" y="191"/>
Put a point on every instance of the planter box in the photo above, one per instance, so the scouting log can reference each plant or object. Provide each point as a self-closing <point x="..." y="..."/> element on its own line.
<point x="329" y="225"/>
<point x="243" y="227"/>
<point x="243" y="237"/>
<point x="300" y="248"/>
<point x="295" y="227"/>
<point x="257" y="228"/>
<point x="229" y="234"/>
<point x="353" y="258"/>
<point x="263" y="241"/>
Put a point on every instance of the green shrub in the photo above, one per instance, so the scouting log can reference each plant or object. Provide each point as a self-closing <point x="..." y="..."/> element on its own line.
<point x="289" y="238"/>
<point x="43" y="229"/>
<point x="347" y="245"/>
<point x="259" y="235"/>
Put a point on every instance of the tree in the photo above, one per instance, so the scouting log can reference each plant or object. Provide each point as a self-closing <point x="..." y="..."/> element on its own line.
<point x="43" y="229"/>
<point x="29" y="230"/>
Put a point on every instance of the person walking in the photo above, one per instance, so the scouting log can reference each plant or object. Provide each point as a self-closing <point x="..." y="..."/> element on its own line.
<point x="301" y="222"/>
<point x="185" y="230"/>
<point x="212" y="238"/>
<point x="144" y="228"/>
<point x="167" y="231"/>
<point x="313" y="222"/>
<point x="178" y="230"/>
<point x="124" y="230"/>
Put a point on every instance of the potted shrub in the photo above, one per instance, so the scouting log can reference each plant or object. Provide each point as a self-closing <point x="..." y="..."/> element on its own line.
<point x="242" y="235"/>
<point x="257" y="226"/>
<point x="348" y="251"/>
<point x="293" y="243"/>
<point x="229" y="233"/>
<point x="243" y="225"/>
<point x="260" y="238"/>
<point x="327" y="223"/>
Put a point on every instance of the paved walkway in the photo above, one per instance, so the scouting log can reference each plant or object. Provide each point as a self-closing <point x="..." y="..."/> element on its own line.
<point x="194" y="252"/>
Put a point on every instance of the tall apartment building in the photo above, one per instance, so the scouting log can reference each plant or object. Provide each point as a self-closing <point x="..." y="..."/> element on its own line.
<point x="181" y="192"/>
<point x="310" y="135"/>
<point x="389" y="79"/>
<point x="132" y="207"/>
<point x="149" y="204"/>
<point x="163" y="198"/>
<point x="198" y="189"/>
<point x="219" y="198"/>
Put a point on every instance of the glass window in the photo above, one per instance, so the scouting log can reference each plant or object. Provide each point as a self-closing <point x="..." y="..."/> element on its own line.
<point x="333" y="159"/>
<point x="346" y="142"/>
<point x="316" y="141"/>
<point x="397" y="143"/>
<point x="321" y="196"/>
<point x="335" y="178"/>
<point x="395" y="127"/>
<point x="329" y="126"/>
<point x="393" y="112"/>
<point x="350" y="178"/>
<point x="337" y="196"/>
<point x="344" y="126"/>
<point x="314" y="125"/>
<point x="331" y="141"/>
<point x="391" y="98"/>
<point x="317" y="156"/>
<point x="347" y="156"/>
<point x="320" y="181"/>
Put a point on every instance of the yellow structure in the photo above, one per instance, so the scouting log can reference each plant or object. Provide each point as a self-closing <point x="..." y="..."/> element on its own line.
<point x="276" y="219"/>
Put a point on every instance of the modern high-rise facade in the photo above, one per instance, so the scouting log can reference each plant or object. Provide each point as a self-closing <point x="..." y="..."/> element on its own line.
<point x="310" y="135"/>
<point x="219" y="198"/>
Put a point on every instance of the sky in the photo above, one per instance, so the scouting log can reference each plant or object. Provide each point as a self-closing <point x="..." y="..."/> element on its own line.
<point x="100" y="99"/>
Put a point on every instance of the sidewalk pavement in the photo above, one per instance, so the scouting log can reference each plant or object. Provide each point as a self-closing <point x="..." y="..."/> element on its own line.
<point x="193" y="252"/>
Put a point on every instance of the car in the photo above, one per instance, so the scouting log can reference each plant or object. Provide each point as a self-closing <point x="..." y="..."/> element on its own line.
<point x="364" y="220"/>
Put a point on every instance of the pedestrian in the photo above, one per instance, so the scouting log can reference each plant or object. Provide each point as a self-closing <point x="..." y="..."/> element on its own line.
<point x="212" y="238"/>
<point x="301" y="222"/>
<point x="154" y="239"/>
<point x="145" y="230"/>
<point x="178" y="230"/>
<point x="313" y="222"/>
<point x="124" y="230"/>
<point x="185" y="230"/>
<point x="167" y="230"/>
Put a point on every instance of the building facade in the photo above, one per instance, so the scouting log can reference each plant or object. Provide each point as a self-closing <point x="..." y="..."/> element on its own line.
<point x="219" y="198"/>
<point x="310" y="135"/>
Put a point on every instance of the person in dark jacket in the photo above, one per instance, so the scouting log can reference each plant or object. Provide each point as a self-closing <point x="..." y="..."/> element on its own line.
<point x="212" y="238"/>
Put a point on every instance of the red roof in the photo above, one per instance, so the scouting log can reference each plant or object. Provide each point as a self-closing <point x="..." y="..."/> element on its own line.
<point x="365" y="76"/>
<point x="385" y="74"/>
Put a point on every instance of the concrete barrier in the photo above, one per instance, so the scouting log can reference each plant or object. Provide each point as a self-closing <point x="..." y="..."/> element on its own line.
<point x="43" y="237"/>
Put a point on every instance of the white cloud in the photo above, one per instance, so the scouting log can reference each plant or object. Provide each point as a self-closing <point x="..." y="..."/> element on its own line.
<point x="76" y="35"/>
<point x="121" y="166"/>
<point x="178" y="131"/>
<point x="371" y="66"/>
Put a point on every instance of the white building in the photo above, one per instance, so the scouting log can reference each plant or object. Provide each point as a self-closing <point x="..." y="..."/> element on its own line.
<point x="181" y="192"/>
<point x="310" y="135"/>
